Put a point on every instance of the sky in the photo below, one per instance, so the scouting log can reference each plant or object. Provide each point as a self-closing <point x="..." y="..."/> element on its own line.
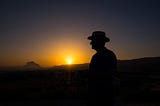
<point x="51" y="31"/>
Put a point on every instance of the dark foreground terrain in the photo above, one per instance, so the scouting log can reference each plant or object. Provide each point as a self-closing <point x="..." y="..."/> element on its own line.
<point x="138" y="84"/>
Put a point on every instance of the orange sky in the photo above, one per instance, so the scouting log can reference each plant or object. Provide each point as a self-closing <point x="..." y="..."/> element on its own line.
<point x="49" y="52"/>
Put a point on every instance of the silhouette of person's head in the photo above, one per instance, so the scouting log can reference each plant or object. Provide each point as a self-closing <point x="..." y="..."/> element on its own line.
<point x="98" y="40"/>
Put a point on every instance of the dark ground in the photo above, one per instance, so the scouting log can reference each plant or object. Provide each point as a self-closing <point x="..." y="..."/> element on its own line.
<point x="59" y="88"/>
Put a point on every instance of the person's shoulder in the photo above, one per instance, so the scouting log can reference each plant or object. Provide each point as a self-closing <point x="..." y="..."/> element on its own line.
<point x="110" y="52"/>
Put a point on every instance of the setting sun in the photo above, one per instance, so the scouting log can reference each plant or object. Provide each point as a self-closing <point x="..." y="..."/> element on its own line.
<point x="69" y="60"/>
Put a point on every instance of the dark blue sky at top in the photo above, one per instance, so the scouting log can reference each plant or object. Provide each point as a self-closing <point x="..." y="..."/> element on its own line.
<point x="133" y="25"/>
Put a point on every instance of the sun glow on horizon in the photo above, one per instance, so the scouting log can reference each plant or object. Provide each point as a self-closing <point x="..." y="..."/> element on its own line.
<point x="69" y="60"/>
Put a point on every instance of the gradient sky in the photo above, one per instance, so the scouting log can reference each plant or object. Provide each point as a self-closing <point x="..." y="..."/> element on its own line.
<point x="49" y="31"/>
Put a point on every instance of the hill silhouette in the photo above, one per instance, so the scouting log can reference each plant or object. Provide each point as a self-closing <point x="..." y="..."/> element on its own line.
<point x="147" y="64"/>
<point x="74" y="67"/>
<point x="31" y="65"/>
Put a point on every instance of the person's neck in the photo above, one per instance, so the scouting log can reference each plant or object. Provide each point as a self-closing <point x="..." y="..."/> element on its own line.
<point x="100" y="49"/>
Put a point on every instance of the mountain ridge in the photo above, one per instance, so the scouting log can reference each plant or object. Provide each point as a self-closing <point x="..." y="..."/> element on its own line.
<point x="151" y="63"/>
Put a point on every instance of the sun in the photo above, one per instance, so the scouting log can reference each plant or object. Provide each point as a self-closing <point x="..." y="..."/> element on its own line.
<point x="69" y="60"/>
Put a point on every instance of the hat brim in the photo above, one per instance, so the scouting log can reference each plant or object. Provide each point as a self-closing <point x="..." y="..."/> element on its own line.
<point x="90" y="38"/>
<point x="106" y="39"/>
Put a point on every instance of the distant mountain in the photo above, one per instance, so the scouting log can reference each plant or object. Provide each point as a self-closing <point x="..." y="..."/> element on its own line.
<point x="147" y="64"/>
<point x="31" y="65"/>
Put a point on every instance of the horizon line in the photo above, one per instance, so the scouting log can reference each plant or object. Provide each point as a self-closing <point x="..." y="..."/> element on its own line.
<point x="76" y="63"/>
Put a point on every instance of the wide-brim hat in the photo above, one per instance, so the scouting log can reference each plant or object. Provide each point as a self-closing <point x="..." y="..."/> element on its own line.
<point x="99" y="36"/>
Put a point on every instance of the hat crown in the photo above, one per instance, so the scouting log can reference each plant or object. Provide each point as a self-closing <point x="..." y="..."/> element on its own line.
<point x="98" y="33"/>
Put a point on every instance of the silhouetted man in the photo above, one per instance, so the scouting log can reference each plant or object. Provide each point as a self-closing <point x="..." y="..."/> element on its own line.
<point x="101" y="70"/>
